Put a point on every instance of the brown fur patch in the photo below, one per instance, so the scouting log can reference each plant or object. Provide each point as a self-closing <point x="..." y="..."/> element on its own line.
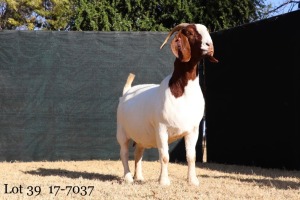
<point x="180" y="77"/>
<point x="185" y="71"/>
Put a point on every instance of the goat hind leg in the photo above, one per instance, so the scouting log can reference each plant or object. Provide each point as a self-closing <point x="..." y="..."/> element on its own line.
<point x="124" y="154"/>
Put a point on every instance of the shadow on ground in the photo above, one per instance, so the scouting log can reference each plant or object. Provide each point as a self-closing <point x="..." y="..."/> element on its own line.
<point x="269" y="177"/>
<point x="73" y="174"/>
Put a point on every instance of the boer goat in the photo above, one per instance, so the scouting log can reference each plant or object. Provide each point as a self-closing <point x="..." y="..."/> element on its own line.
<point x="155" y="115"/>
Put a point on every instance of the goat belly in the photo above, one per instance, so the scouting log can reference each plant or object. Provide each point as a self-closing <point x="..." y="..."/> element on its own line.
<point x="135" y="114"/>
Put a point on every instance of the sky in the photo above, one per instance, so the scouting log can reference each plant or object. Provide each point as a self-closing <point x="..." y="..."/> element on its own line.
<point x="284" y="9"/>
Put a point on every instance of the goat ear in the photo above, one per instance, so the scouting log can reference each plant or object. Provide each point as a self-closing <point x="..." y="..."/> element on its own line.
<point x="181" y="47"/>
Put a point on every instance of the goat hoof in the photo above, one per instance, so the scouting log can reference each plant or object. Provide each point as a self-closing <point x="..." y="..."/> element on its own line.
<point x="128" y="178"/>
<point x="164" y="181"/>
<point x="194" y="181"/>
<point x="139" y="178"/>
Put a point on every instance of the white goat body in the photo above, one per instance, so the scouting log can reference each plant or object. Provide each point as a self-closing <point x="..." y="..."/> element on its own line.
<point x="144" y="107"/>
<point x="156" y="115"/>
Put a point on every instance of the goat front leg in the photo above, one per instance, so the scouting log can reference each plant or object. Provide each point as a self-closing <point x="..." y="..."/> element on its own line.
<point x="138" y="155"/>
<point x="163" y="149"/>
<point x="190" y="146"/>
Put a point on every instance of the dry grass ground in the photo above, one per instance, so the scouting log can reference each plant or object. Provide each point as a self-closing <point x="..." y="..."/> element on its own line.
<point x="216" y="181"/>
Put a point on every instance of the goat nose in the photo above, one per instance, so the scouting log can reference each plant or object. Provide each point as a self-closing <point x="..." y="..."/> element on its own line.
<point x="208" y="44"/>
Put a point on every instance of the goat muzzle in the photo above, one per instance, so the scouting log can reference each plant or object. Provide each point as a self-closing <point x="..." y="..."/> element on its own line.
<point x="210" y="54"/>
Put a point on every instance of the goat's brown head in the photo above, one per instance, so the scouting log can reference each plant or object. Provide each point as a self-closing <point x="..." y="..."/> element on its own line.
<point x="191" y="41"/>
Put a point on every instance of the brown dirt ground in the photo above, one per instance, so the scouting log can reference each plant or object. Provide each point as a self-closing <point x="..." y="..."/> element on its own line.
<point x="216" y="181"/>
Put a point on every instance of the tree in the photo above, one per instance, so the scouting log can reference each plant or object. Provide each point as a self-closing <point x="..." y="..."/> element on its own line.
<point x="161" y="15"/>
<point x="127" y="15"/>
<point x="224" y="14"/>
<point x="99" y="16"/>
<point x="31" y="14"/>
<point x="140" y="13"/>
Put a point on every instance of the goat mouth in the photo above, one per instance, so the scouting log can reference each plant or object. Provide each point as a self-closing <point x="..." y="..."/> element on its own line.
<point x="210" y="53"/>
<point x="207" y="53"/>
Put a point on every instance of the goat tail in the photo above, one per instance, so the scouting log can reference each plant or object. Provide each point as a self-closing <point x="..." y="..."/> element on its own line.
<point x="128" y="83"/>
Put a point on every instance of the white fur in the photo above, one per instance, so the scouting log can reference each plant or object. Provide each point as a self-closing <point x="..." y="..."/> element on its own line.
<point x="144" y="107"/>
<point x="206" y="39"/>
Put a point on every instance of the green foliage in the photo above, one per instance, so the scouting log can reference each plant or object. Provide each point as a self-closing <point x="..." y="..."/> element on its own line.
<point x="127" y="15"/>
<point x="28" y="13"/>
<point x="223" y="14"/>
<point x="93" y="15"/>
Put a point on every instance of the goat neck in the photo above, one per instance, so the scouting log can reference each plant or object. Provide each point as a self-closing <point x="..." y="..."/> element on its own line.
<point x="183" y="72"/>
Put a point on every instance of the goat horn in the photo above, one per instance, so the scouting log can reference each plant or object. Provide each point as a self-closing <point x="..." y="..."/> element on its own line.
<point x="176" y="28"/>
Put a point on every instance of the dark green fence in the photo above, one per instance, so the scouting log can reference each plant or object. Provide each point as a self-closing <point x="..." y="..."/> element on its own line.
<point x="59" y="91"/>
